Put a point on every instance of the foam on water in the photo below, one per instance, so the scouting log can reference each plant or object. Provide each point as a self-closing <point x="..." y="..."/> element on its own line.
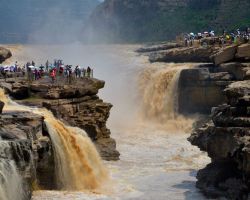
<point x="10" y="180"/>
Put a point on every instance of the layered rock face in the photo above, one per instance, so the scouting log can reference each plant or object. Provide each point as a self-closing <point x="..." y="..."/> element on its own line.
<point x="25" y="141"/>
<point x="226" y="139"/>
<point x="200" y="88"/>
<point x="224" y="81"/>
<point x="201" y="54"/>
<point x="4" y="54"/>
<point x="76" y="104"/>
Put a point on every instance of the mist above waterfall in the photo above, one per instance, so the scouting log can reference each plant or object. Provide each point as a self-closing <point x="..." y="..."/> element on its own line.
<point x="46" y="21"/>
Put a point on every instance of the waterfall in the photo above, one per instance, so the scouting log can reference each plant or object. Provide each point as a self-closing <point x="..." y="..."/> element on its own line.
<point x="158" y="93"/>
<point x="78" y="164"/>
<point x="10" y="181"/>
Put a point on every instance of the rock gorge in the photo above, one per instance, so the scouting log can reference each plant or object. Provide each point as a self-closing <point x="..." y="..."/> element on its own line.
<point x="25" y="140"/>
<point x="223" y="79"/>
<point x="221" y="84"/>
<point x="77" y="104"/>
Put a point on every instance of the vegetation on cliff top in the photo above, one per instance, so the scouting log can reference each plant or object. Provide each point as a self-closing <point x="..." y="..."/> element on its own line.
<point x="147" y="20"/>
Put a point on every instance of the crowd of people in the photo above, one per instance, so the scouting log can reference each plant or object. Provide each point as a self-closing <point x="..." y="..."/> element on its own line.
<point x="237" y="36"/>
<point x="53" y="70"/>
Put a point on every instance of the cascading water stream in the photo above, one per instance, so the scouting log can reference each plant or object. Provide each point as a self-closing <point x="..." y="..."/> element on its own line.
<point x="157" y="161"/>
<point x="158" y="91"/>
<point x="10" y="180"/>
<point x="78" y="164"/>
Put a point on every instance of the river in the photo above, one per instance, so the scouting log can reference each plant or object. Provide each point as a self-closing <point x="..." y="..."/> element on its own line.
<point x="157" y="161"/>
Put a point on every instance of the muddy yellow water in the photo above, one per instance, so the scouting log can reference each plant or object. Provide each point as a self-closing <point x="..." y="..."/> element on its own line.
<point x="156" y="160"/>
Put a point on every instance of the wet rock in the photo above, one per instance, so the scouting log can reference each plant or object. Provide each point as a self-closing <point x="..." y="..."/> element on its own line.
<point x="200" y="90"/>
<point x="224" y="55"/>
<point x="91" y="114"/>
<point x="4" y="54"/>
<point x="107" y="149"/>
<point x="226" y="139"/>
<point x="223" y="175"/>
<point x="23" y="141"/>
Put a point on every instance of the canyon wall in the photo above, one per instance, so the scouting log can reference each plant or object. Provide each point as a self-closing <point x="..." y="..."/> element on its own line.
<point x="76" y="104"/>
<point x="220" y="87"/>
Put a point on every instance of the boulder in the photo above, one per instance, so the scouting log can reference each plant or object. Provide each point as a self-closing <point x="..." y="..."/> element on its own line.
<point x="107" y="149"/>
<point x="243" y="51"/>
<point x="4" y="54"/>
<point x="238" y="70"/>
<point x="237" y="90"/>
<point x="221" y="76"/>
<point x="224" y="55"/>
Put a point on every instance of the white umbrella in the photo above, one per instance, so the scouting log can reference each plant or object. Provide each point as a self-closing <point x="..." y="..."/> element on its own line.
<point x="6" y="68"/>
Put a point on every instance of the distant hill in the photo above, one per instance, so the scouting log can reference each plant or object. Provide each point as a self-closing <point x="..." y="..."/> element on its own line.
<point x="43" y="20"/>
<point x="155" y="20"/>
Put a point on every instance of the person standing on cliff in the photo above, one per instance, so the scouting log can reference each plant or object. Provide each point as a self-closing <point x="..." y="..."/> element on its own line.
<point x="47" y="66"/>
<point x="84" y="72"/>
<point x="15" y="67"/>
<point x="36" y="74"/>
<point x="53" y="75"/>
<point x="76" y="71"/>
<point x="88" y="71"/>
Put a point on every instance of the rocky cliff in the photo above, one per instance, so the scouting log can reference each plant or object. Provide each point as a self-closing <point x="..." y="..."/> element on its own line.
<point x="201" y="86"/>
<point x="223" y="86"/>
<point x="25" y="141"/>
<point x="140" y="21"/>
<point x="226" y="140"/>
<point x="76" y="104"/>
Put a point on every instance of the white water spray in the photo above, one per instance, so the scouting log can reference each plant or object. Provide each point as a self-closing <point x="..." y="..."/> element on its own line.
<point x="78" y="164"/>
<point x="10" y="181"/>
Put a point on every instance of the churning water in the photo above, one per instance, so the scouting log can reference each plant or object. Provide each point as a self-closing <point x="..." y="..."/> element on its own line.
<point x="78" y="164"/>
<point x="156" y="162"/>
